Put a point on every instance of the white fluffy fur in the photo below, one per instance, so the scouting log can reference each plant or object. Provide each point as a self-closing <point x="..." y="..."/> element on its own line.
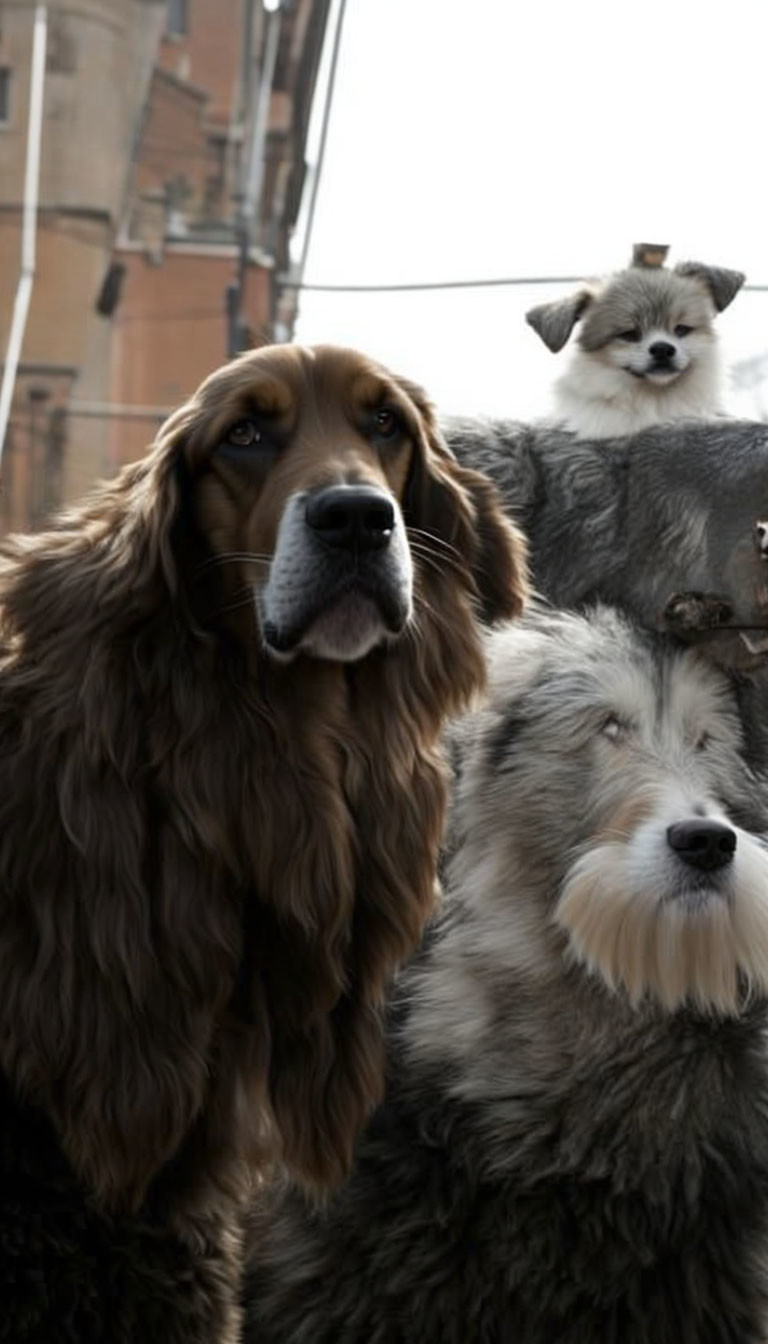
<point x="629" y="918"/>
<point x="646" y="349"/>
<point x="597" y="399"/>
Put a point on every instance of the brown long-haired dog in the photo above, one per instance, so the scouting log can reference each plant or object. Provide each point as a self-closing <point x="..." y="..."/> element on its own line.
<point x="221" y="793"/>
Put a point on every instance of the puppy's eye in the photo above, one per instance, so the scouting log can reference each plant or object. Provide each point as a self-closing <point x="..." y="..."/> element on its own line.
<point x="681" y="330"/>
<point x="386" y="422"/>
<point x="245" y="434"/>
<point x="633" y="334"/>
<point x="703" y="741"/>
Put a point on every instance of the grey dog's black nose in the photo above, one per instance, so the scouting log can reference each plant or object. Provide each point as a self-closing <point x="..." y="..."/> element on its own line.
<point x="662" y="351"/>
<point x="351" y="517"/>
<point x="701" y="843"/>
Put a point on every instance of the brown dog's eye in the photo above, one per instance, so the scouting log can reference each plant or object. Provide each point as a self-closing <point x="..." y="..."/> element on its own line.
<point x="386" y="422"/>
<point x="682" y="330"/>
<point x="632" y="335"/>
<point x="244" y="434"/>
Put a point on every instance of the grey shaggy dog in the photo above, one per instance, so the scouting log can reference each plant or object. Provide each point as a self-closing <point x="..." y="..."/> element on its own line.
<point x="574" y="1144"/>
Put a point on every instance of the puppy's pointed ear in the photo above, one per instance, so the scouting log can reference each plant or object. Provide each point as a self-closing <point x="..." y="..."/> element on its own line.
<point x="554" y="322"/>
<point x="723" y="285"/>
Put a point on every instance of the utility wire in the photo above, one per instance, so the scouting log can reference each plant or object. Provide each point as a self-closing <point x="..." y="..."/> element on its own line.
<point x="415" y="286"/>
<point x="405" y="286"/>
<point x="421" y="285"/>
<point x="190" y="315"/>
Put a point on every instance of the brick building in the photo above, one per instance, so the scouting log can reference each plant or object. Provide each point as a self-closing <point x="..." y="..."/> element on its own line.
<point x="149" y="106"/>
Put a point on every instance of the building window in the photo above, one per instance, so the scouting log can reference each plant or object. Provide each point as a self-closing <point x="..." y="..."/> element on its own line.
<point x="5" y="95"/>
<point x="176" y="18"/>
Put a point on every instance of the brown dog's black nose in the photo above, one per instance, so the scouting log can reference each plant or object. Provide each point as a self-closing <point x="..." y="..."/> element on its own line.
<point x="701" y="843"/>
<point x="351" y="517"/>
<point x="662" y="351"/>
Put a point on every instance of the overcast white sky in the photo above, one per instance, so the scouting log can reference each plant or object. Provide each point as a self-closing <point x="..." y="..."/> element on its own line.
<point x="496" y="138"/>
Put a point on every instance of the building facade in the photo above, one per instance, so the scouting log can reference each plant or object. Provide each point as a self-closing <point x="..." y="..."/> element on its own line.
<point x="143" y="246"/>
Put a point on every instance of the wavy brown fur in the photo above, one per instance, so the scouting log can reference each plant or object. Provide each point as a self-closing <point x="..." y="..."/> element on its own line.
<point x="210" y="862"/>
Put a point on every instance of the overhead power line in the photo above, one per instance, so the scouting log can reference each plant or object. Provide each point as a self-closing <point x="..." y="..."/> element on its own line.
<point x="186" y="315"/>
<point x="404" y="286"/>
<point x="398" y="287"/>
<point x="496" y="282"/>
<point x="414" y="286"/>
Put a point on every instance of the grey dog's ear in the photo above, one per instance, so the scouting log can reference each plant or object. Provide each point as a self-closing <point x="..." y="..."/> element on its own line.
<point x="555" y="321"/>
<point x="723" y="285"/>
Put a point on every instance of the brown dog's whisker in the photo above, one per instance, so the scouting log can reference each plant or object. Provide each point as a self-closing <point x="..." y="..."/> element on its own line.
<point x="241" y="597"/>
<point x="436" y="562"/>
<point x="231" y="557"/>
<point x="247" y="601"/>
<point x="440" y="542"/>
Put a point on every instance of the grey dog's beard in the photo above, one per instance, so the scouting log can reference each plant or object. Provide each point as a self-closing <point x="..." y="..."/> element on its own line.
<point x="703" y="952"/>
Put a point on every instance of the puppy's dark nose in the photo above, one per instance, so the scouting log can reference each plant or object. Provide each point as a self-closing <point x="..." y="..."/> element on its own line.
<point x="351" y="517"/>
<point x="703" y="844"/>
<point x="662" y="351"/>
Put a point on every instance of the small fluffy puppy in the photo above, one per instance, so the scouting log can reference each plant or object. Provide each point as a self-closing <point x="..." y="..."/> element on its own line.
<point x="646" y="351"/>
<point x="574" y="1144"/>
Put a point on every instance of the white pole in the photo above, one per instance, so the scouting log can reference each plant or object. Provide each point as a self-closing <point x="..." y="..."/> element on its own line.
<point x="260" y="127"/>
<point x="254" y="145"/>
<point x="29" y="223"/>
<point x="306" y="219"/>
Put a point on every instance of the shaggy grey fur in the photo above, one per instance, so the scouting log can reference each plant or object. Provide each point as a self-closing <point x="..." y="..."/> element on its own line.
<point x="635" y="520"/>
<point x="554" y="1164"/>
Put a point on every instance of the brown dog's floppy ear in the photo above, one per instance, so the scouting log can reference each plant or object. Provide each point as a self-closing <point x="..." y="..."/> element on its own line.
<point x="555" y="321"/>
<point x="106" y="558"/>
<point x="463" y="512"/>
<point x="100" y="1024"/>
<point x="723" y="285"/>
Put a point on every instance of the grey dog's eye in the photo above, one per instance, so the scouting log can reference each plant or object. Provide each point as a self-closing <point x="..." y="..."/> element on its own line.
<point x="244" y="434"/>
<point x="631" y="335"/>
<point x="681" y="330"/>
<point x="613" y="728"/>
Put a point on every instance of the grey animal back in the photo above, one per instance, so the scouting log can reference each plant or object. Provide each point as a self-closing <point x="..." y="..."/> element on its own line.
<point x="636" y="519"/>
